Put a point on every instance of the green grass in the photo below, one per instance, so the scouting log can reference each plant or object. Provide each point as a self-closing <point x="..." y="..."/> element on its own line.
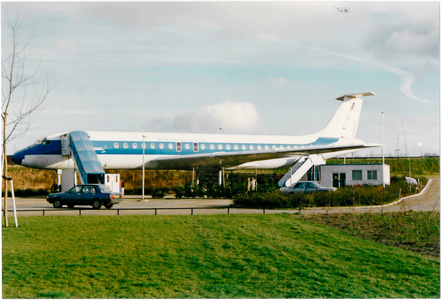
<point x="222" y="256"/>
<point x="417" y="231"/>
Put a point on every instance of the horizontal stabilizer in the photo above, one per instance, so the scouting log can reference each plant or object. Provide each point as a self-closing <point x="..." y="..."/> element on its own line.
<point x="358" y="95"/>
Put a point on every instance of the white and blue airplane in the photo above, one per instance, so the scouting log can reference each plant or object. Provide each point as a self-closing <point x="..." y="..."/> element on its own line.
<point x="189" y="151"/>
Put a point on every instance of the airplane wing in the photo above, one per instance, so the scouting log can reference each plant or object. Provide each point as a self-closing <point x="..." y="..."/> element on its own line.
<point x="222" y="159"/>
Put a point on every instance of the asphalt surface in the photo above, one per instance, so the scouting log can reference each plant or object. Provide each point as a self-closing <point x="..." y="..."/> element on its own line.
<point x="427" y="200"/>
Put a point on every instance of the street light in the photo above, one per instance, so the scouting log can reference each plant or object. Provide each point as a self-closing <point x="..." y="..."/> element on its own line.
<point x="143" y="165"/>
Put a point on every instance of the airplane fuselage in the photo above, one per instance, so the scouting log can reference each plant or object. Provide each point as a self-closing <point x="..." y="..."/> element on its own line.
<point x="124" y="150"/>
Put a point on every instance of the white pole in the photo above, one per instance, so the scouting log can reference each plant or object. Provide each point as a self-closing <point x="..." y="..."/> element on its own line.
<point x="384" y="182"/>
<point x="13" y="204"/>
<point x="143" y="165"/>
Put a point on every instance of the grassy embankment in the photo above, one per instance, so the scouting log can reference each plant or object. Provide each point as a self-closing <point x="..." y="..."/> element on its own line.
<point x="221" y="256"/>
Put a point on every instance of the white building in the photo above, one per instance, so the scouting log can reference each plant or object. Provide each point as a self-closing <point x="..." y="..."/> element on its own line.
<point x="343" y="175"/>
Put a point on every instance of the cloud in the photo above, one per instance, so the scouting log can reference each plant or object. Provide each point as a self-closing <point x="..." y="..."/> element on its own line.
<point x="232" y="117"/>
<point x="278" y="81"/>
<point x="407" y="80"/>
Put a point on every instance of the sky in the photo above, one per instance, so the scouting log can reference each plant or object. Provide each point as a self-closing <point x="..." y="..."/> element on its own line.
<point x="230" y="67"/>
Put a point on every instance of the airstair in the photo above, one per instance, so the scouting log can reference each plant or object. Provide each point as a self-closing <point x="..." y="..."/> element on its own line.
<point x="300" y="168"/>
<point x="86" y="161"/>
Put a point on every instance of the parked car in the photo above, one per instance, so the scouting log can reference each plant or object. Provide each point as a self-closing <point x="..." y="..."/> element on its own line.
<point x="86" y="194"/>
<point x="306" y="187"/>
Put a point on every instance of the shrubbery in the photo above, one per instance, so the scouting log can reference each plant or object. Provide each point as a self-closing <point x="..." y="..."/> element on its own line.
<point x="28" y="193"/>
<point x="347" y="196"/>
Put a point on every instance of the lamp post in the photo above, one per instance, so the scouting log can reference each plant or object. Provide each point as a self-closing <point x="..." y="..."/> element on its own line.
<point x="384" y="182"/>
<point x="143" y="165"/>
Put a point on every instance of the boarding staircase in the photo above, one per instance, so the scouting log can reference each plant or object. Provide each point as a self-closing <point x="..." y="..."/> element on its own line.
<point x="302" y="165"/>
<point x="86" y="161"/>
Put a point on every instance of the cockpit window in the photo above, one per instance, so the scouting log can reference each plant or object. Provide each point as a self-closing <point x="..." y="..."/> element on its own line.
<point x="46" y="142"/>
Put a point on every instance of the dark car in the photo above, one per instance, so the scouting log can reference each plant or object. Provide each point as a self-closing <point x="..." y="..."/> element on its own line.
<point x="86" y="194"/>
<point x="306" y="187"/>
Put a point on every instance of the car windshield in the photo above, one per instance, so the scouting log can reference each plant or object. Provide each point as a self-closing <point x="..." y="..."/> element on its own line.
<point x="105" y="189"/>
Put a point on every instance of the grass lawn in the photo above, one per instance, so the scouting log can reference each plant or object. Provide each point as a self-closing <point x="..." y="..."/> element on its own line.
<point x="204" y="256"/>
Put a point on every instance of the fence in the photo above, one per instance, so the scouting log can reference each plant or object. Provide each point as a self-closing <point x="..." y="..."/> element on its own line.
<point x="117" y="210"/>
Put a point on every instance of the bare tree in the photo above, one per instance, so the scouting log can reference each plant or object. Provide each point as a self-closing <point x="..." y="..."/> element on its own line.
<point x="17" y="104"/>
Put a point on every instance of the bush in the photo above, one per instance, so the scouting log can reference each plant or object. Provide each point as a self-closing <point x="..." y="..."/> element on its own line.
<point x="347" y="196"/>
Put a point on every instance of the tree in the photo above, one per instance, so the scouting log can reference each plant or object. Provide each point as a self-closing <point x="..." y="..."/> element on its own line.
<point x="17" y="105"/>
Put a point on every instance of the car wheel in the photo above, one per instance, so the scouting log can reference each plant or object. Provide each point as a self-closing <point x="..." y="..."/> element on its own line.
<point x="57" y="203"/>
<point x="70" y="205"/>
<point x="96" y="204"/>
<point x="108" y="206"/>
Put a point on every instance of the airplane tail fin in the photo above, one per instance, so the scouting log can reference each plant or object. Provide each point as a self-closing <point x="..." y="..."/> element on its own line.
<point x="344" y="123"/>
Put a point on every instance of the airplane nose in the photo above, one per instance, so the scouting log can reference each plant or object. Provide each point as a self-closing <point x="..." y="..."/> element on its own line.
<point x="18" y="157"/>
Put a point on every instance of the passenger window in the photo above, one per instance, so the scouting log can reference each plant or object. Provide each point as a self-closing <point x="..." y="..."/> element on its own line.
<point x="266" y="147"/>
<point x="195" y="147"/>
<point x="219" y="146"/>
<point x="126" y="145"/>
<point x="92" y="190"/>
<point x="251" y="147"/>
<point x="236" y="147"/>
<point x="203" y="146"/>
<point x="228" y="147"/>
<point x="178" y="146"/>
<point x="187" y="146"/>
<point x="86" y="190"/>
<point x="152" y="145"/>
<point x="135" y="145"/>
<point x="116" y="145"/>
<point x="161" y="146"/>
<point x="211" y="146"/>
<point x="244" y="147"/>
<point x="170" y="146"/>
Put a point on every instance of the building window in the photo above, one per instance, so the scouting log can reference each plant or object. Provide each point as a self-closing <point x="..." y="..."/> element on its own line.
<point x="357" y="175"/>
<point x="372" y="175"/>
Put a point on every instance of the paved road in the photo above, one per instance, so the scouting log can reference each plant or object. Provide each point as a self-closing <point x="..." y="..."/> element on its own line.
<point x="428" y="200"/>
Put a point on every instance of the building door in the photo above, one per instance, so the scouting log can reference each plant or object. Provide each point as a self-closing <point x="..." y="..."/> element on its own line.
<point x="342" y="179"/>
<point x="338" y="180"/>
<point x="335" y="180"/>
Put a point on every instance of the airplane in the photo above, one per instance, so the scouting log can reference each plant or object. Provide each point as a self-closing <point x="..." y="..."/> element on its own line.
<point x="202" y="152"/>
